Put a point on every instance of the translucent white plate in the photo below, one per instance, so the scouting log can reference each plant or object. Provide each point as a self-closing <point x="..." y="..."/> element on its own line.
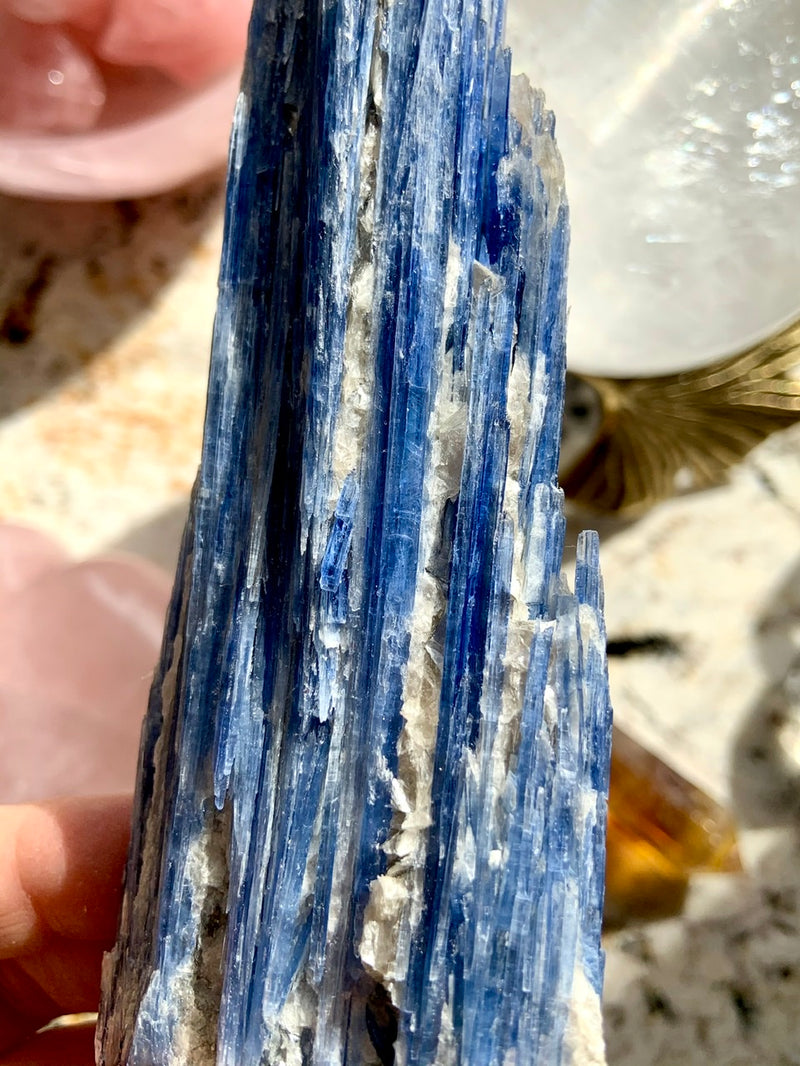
<point x="679" y="123"/>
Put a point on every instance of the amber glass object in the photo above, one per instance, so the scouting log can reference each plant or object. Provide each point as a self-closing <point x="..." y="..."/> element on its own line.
<point x="661" y="829"/>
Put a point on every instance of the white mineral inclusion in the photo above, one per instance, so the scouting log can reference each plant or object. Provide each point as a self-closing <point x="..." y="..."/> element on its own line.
<point x="679" y="125"/>
<point x="584" y="1035"/>
<point x="395" y="902"/>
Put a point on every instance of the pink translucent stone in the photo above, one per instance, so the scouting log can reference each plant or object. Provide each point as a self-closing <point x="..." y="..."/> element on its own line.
<point x="52" y="749"/>
<point x="82" y="634"/>
<point x="170" y="77"/>
<point x="88" y="14"/>
<point x="78" y="644"/>
<point x="24" y="556"/>
<point x="50" y="83"/>
<point x="148" y="152"/>
<point x="191" y="40"/>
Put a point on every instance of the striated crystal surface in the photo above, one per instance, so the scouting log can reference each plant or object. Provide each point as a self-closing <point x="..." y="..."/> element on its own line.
<point x="370" y="817"/>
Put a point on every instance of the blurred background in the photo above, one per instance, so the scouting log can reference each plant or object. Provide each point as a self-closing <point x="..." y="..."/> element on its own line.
<point x="680" y="128"/>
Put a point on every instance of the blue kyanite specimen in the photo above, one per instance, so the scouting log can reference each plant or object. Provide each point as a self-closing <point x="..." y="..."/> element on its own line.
<point x="372" y="786"/>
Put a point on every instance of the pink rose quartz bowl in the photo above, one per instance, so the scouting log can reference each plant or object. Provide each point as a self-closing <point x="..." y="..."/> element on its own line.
<point x="149" y="155"/>
<point x="116" y="98"/>
<point x="78" y="644"/>
<point x="141" y="158"/>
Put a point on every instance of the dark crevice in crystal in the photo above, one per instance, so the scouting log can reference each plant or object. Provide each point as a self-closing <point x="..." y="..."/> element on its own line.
<point x="207" y="969"/>
<point x="382" y="1023"/>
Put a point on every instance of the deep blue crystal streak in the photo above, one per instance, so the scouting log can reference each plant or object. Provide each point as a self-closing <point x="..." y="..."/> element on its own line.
<point x="296" y="619"/>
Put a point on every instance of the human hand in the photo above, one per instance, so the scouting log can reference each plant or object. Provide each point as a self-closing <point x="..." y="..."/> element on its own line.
<point x="61" y="866"/>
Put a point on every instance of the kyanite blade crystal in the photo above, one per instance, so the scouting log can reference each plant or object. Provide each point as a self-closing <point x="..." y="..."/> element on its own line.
<point x="371" y="807"/>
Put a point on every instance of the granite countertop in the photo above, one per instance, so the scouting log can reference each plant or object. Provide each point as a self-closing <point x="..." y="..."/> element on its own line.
<point x="717" y="572"/>
<point x="105" y="324"/>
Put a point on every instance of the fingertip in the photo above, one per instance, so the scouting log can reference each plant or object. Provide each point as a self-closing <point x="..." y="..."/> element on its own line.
<point x="71" y="857"/>
<point x="19" y="922"/>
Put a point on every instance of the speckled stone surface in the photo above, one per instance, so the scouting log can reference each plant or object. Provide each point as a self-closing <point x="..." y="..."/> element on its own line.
<point x="718" y="573"/>
<point x="105" y="321"/>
